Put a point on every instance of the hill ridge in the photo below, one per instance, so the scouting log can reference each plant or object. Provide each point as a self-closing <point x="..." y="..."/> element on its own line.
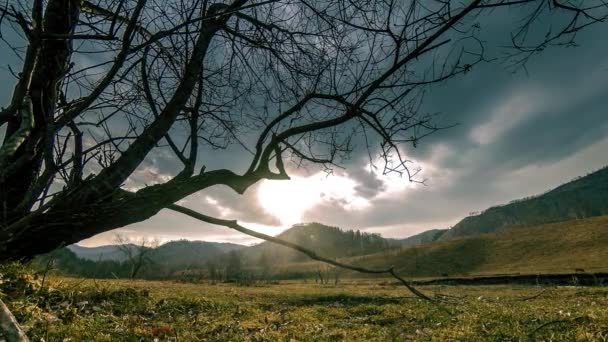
<point x="583" y="197"/>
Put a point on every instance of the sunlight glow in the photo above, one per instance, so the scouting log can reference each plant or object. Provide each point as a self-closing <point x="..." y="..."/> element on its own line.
<point x="394" y="182"/>
<point x="289" y="200"/>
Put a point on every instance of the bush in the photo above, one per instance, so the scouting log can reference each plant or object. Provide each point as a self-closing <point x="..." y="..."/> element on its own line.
<point x="18" y="281"/>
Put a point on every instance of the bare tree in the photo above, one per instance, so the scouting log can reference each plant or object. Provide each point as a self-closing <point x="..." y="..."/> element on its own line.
<point x="212" y="271"/>
<point x="264" y="263"/>
<point x="320" y="277"/>
<point x="105" y="84"/>
<point x="325" y="272"/>
<point x="135" y="251"/>
<point x="336" y="272"/>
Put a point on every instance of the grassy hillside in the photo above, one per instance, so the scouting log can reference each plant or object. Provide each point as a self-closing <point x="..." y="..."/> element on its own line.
<point x="424" y="237"/>
<point x="581" y="198"/>
<point x="550" y="248"/>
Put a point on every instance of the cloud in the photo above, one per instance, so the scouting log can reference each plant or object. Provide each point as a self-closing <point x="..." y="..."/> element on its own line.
<point x="369" y="184"/>
<point x="244" y="207"/>
<point x="508" y="114"/>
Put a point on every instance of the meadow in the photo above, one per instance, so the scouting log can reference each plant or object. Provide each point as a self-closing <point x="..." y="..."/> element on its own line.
<point x="72" y="309"/>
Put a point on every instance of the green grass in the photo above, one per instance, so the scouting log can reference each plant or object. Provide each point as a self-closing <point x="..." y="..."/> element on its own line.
<point x="69" y="309"/>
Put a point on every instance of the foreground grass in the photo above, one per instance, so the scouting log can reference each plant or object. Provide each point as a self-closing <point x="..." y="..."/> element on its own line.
<point x="68" y="309"/>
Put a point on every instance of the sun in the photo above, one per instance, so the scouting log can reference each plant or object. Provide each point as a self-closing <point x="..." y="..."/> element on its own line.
<point x="289" y="200"/>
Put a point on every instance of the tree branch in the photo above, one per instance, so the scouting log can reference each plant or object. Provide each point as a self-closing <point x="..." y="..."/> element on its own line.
<point x="233" y="224"/>
<point x="9" y="326"/>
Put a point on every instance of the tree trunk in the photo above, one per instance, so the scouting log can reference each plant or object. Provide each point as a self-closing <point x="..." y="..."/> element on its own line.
<point x="69" y="224"/>
<point x="52" y="58"/>
<point x="76" y="215"/>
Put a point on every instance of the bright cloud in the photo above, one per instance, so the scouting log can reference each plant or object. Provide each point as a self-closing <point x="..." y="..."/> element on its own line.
<point x="508" y="114"/>
<point x="289" y="200"/>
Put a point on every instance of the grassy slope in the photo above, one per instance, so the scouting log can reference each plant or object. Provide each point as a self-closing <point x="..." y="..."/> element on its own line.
<point x="550" y="248"/>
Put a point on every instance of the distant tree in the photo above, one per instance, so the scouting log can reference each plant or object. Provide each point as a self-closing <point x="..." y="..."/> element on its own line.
<point x="234" y="270"/>
<point x="319" y="278"/>
<point x="358" y="245"/>
<point x="212" y="271"/>
<point x="324" y="274"/>
<point x="136" y="251"/>
<point x="265" y="265"/>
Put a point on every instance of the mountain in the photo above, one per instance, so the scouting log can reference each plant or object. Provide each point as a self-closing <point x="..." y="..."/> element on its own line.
<point x="180" y="253"/>
<point x="327" y="241"/>
<point x="424" y="237"/>
<point x="183" y="254"/>
<point x="581" y="198"/>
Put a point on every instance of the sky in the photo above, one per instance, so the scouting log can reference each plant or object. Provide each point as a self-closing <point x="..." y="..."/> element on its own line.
<point x="515" y="135"/>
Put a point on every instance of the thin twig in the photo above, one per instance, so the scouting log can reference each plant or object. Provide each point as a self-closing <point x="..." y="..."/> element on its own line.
<point x="47" y="268"/>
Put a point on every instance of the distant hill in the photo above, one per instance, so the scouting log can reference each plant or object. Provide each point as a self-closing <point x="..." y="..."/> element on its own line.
<point x="563" y="247"/>
<point x="560" y="247"/>
<point x="581" y="198"/>
<point x="424" y="237"/>
<point x="181" y="252"/>
<point x="184" y="258"/>
<point x="328" y="241"/>
<point x="185" y="254"/>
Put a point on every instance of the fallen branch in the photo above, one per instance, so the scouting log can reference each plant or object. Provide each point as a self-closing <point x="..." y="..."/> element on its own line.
<point x="557" y="321"/>
<point x="534" y="296"/>
<point x="233" y="224"/>
<point x="9" y="326"/>
<point x="450" y="298"/>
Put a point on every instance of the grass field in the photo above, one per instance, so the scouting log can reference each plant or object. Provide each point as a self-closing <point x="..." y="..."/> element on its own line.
<point x="69" y="309"/>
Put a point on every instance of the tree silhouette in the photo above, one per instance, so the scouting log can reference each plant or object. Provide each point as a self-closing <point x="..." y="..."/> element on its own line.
<point x="106" y="84"/>
<point x="135" y="251"/>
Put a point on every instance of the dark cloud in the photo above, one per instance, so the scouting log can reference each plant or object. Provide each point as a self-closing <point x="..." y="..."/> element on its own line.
<point x="369" y="185"/>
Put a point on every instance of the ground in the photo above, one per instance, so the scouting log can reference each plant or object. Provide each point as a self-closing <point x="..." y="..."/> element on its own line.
<point x="70" y="309"/>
